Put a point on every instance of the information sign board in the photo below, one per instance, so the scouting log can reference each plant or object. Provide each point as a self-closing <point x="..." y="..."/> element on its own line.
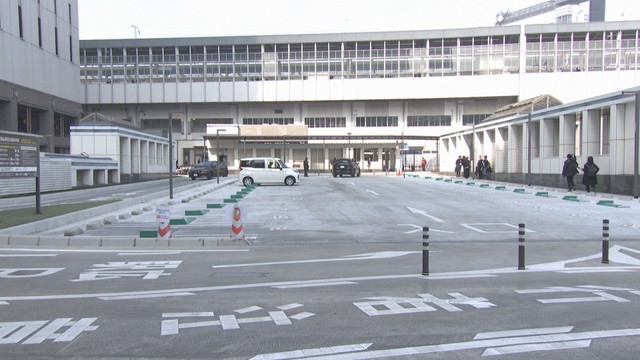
<point x="18" y="155"/>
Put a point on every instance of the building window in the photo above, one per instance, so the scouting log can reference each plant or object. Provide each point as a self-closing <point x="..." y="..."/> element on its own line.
<point x="56" y="40"/>
<point x="471" y="119"/>
<point x="267" y="121"/>
<point x="28" y="120"/>
<point x="200" y="125"/>
<point x="376" y="121"/>
<point x="39" y="32"/>
<point x="326" y="122"/>
<point x="429" y="120"/>
<point x="70" y="48"/>
<point x="61" y="125"/>
<point x="20" y="22"/>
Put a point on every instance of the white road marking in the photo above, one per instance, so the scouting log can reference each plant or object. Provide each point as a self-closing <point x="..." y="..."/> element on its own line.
<point x="372" y="192"/>
<point x="424" y="213"/>
<point x="313" y="352"/>
<point x="522" y="344"/>
<point x="369" y="256"/>
<point x="306" y="285"/>
<point x="518" y="349"/>
<point x="149" y="296"/>
<point x="547" y="267"/>
<point x="523" y="332"/>
<point x="27" y="255"/>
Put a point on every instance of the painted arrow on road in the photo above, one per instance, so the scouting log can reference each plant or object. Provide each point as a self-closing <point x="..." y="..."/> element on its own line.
<point x="369" y="256"/>
<point x="424" y="213"/>
<point x="372" y="192"/>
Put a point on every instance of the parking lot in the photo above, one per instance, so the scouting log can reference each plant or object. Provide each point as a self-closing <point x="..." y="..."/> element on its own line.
<point x="333" y="269"/>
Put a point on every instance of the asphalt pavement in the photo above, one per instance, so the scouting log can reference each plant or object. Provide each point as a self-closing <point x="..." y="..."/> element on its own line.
<point x="333" y="268"/>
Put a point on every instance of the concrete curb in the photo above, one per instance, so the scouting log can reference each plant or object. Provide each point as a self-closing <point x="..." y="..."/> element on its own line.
<point x="117" y="242"/>
<point x="95" y="212"/>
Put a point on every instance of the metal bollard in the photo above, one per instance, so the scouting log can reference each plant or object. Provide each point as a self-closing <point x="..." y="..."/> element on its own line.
<point x="605" y="241"/>
<point x="425" y="250"/>
<point x="521" y="247"/>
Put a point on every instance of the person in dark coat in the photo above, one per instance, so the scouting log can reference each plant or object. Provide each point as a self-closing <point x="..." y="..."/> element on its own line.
<point x="466" y="167"/>
<point x="589" y="177"/>
<point x="306" y="167"/>
<point x="569" y="170"/>
<point x="480" y="170"/>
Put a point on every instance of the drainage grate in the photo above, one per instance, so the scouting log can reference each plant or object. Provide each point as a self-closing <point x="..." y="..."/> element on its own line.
<point x="242" y="274"/>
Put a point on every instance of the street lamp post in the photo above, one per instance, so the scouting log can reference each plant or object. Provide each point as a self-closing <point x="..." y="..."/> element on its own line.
<point x="170" y="155"/>
<point x="636" y="142"/>
<point x="218" y="154"/>
<point x="349" y="149"/>
<point x="529" y="149"/>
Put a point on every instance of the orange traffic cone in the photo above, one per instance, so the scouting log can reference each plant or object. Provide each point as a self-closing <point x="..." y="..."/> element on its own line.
<point x="237" y="231"/>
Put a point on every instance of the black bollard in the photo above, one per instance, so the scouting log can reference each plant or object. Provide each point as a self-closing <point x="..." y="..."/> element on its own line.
<point x="521" y="247"/>
<point x="605" y="241"/>
<point x="425" y="250"/>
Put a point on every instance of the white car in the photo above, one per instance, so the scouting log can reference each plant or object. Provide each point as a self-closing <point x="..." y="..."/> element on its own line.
<point x="266" y="170"/>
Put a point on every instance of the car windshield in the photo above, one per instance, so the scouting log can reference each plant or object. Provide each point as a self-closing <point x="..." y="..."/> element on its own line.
<point x="282" y="164"/>
<point x="207" y="164"/>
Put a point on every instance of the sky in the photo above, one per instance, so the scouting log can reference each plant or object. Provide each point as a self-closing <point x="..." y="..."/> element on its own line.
<point x="120" y="19"/>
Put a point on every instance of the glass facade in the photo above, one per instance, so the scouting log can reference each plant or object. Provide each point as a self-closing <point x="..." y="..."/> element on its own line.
<point x="458" y="56"/>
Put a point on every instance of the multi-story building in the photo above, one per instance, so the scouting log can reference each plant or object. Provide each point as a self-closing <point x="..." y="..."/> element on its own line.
<point x="39" y="70"/>
<point x="352" y="94"/>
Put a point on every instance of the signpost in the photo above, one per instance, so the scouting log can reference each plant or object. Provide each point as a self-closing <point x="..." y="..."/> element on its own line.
<point x="20" y="158"/>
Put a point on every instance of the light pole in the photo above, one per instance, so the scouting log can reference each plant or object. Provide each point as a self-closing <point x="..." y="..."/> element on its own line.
<point x="529" y="149"/>
<point x="170" y="155"/>
<point x="636" y="141"/>
<point x="171" y="152"/>
<point x="218" y="155"/>
<point x="349" y="149"/>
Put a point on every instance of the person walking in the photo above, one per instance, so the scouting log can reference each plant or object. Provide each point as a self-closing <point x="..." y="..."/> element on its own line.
<point x="589" y="176"/>
<point x="569" y="170"/>
<point x="423" y="163"/>
<point x="458" y="166"/>
<point x="466" y="167"/>
<point x="480" y="172"/>
<point x="487" y="167"/>
<point x="306" y="167"/>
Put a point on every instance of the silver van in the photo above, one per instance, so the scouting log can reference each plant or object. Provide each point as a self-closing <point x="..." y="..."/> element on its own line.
<point x="266" y="170"/>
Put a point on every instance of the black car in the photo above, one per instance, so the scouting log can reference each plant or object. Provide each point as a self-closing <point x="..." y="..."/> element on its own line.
<point x="345" y="167"/>
<point x="207" y="169"/>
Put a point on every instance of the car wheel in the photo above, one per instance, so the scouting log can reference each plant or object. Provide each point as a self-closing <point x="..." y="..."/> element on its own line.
<point x="247" y="181"/>
<point x="358" y="174"/>
<point x="289" y="181"/>
<point x="335" y="175"/>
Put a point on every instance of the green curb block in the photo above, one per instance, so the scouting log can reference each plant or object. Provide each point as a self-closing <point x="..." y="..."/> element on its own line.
<point x="570" y="198"/>
<point x="519" y="191"/>
<point x="427" y="177"/>
<point x="470" y="183"/>
<point x="447" y="180"/>
<point x="230" y="201"/>
<point x="439" y="179"/>
<point x="237" y="196"/>
<point x="148" y="233"/>
<point x="501" y="188"/>
<point x="214" y="206"/>
<point x="484" y="185"/>
<point x="459" y="182"/>
<point x="542" y="193"/>
<point x="181" y="221"/>
<point x="609" y="203"/>
<point x="195" y="212"/>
